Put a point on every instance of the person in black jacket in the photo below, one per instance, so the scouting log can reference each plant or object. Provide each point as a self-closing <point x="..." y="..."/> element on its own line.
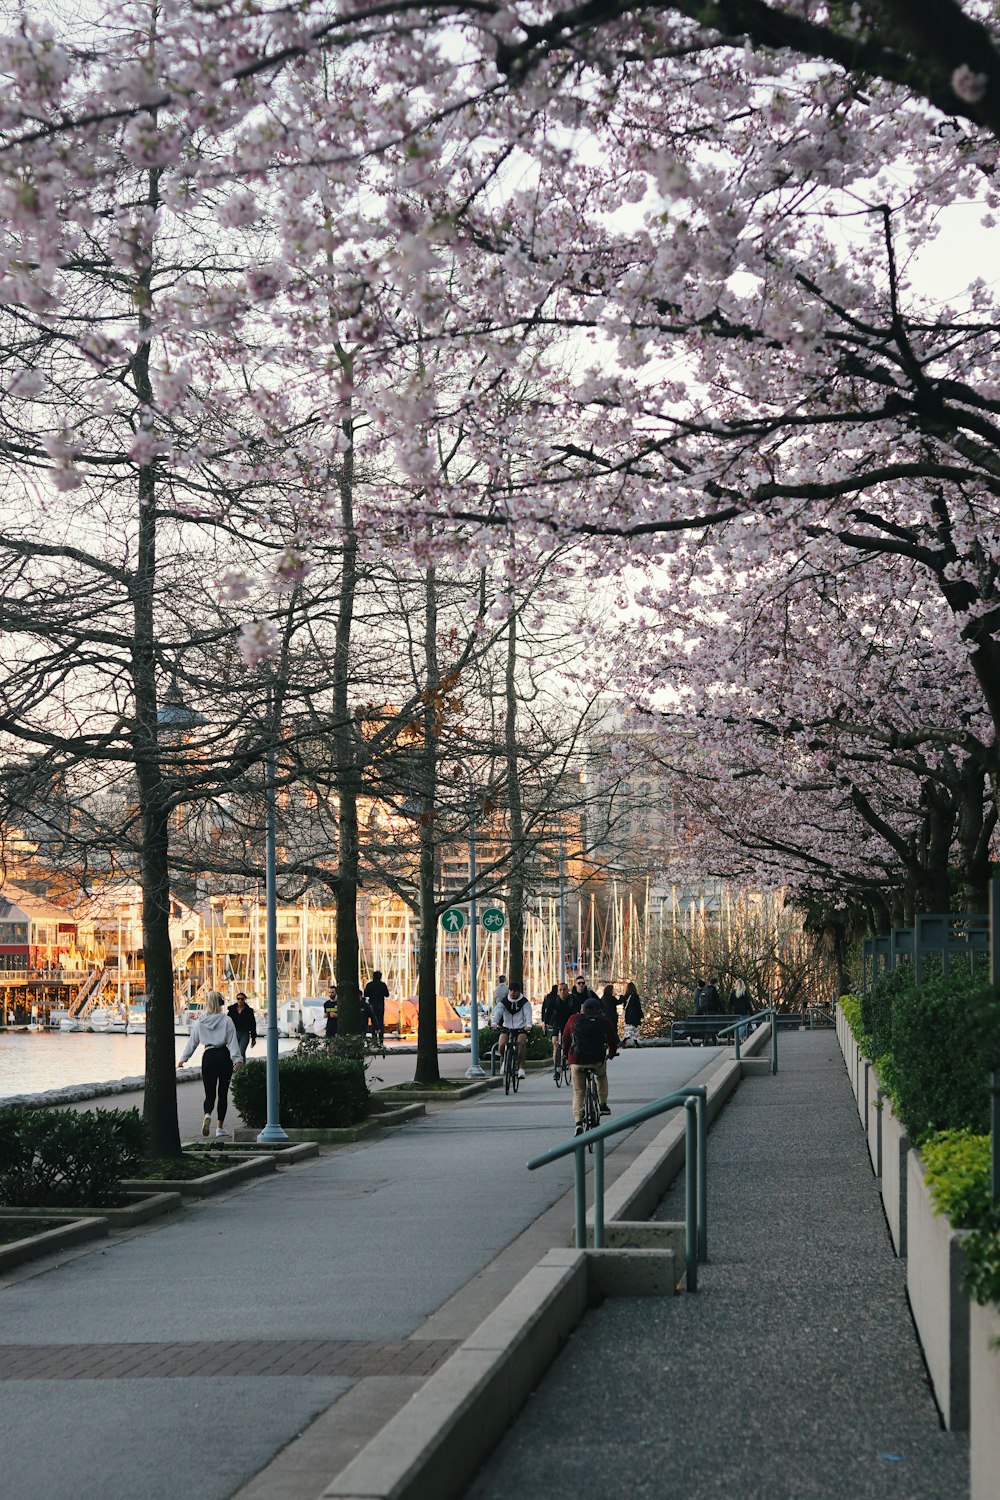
<point x="557" y="1007"/>
<point x="632" y="1014"/>
<point x="711" y="1000"/>
<point x="245" y="1022"/>
<point x="376" y="994"/>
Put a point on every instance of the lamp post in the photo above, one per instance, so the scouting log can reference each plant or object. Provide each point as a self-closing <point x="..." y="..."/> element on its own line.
<point x="272" y="1131"/>
<point x="475" y="1069"/>
<point x="562" y="910"/>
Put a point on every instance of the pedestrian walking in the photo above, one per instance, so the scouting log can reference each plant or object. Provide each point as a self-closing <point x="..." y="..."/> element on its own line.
<point x="214" y="1031"/>
<point x="501" y="990"/>
<point x="740" y="1003"/>
<point x="631" y="1015"/>
<point x="609" y="1005"/>
<point x="376" y="993"/>
<point x="244" y="1022"/>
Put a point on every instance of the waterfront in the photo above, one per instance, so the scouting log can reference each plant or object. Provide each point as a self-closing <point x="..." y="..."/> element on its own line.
<point x="34" y="1061"/>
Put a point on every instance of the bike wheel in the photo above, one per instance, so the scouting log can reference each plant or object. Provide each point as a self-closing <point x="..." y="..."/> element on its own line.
<point x="506" y="1073"/>
<point x="566" y="1073"/>
<point x="559" y="1071"/>
<point x="515" y="1080"/>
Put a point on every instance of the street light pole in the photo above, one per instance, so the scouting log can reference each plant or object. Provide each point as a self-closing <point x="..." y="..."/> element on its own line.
<point x="475" y="1069"/>
<point x="272" y="1131"/>
<point x="562" y="910"/>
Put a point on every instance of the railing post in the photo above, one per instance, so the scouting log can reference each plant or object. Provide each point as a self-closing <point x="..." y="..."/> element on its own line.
<point x="774" y="1040"/>
<point x="736" y="1033"/>
<point x="493" y="1060"/>
<point x="580" y="1198"/>
<point x="691" y="1193"/>
<point x="598" y="1195"/>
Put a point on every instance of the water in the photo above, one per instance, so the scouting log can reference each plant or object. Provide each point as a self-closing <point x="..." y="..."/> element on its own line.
<point x="33" y="1061"/>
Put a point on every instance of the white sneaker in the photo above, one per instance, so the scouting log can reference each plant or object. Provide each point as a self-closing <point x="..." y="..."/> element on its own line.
<point x="520" y="1072"/>
<point x="206" y="1125"/>
<point x="222" y="1135"/>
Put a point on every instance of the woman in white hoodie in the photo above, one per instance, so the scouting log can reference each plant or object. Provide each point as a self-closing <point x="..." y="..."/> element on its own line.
<point x="216" y="1033"/>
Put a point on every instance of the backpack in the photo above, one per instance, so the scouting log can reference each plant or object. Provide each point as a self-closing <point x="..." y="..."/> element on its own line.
<point x="590" y="1040"/>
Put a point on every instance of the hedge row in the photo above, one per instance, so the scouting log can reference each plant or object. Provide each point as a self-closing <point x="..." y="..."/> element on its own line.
<point x="315" y="1092"/>
<point x="62" y="1158"/>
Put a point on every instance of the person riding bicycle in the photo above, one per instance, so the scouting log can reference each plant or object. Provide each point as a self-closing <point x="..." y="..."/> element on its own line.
<point x="557" y="1007"/>
<point x="589" y="1040"/>
<point x="512" y="1014"/>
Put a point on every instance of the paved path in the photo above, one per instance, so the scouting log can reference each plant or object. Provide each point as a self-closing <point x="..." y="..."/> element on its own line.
<point x="181" y="1359"/>
<point x="793" y="1374"/>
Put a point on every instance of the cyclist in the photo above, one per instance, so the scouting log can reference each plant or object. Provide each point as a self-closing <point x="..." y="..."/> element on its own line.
<point x="512" y="1013"/>
<point x="557" y="1007"/>
<point x="589" y="1040"/>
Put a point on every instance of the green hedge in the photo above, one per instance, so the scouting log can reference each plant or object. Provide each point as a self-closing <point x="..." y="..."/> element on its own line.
<point x="876" y="1008"/>
<point x="539" y="1045"/>
<point x="315" y="1092"/>
<point x="943" y="1048"/>
<point x="64" y="1158"/>
<point x="957" y="1171"/>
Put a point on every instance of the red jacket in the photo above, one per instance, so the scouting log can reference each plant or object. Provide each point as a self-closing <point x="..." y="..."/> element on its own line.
<point x="610" y="1032"/>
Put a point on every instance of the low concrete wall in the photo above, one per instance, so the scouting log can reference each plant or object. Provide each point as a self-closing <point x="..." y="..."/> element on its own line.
<point x="984" y="1402"/>
<point x="935" y="1265"/>
<point x="435" y="1444"/>
<point x="895" y="1152"/>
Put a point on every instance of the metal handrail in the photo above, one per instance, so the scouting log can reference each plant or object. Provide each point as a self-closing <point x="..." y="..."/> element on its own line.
<point x="693" y="1098"/>
<point x="755" y="1016"/>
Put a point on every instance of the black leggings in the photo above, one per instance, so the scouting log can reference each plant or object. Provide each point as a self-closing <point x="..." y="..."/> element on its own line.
<point x="216" y="1072"/>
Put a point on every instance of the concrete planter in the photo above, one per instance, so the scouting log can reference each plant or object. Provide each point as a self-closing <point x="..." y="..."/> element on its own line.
<point x="984" y="1401"/>
<point x="864" y="1069"/>
<point x="895" y="1151"/>
<point x="215" y="1182"/>
<point x="876" y="1095"/>
<point x="34" y="1244"/>
<point x="935" y="1266"/>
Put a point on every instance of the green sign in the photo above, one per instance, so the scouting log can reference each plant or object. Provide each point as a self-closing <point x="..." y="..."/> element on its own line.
<point x="453" y="920"/>
<point x="494" y="919"/>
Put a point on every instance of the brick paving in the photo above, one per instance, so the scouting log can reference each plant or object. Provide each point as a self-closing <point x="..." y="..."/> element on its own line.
<point x="260" y="1357"/>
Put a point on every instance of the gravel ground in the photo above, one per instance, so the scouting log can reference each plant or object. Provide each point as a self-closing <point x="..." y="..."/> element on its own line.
<point x="795" y="1372"/>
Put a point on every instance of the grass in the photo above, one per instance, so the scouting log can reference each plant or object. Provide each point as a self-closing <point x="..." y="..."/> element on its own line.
<point x="22" y="1229"/>
<point x="181" y="1168"/>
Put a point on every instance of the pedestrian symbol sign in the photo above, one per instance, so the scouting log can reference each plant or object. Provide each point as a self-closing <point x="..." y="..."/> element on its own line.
<point x="453" y="920"/>
<point x="494" y="919"/>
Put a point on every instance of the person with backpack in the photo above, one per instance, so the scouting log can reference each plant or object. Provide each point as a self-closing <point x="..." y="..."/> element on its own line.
<point x="589" y="1040"/>
<point x="513" y="1015"/>
<point x="711" y="1000"/>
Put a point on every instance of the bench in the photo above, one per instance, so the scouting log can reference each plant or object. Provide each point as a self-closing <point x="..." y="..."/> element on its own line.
<point x="700" y="1031"/>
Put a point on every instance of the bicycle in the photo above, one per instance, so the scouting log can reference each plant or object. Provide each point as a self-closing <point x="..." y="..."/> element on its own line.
<point x="591" y="1116"/>
<point x="511" y="1063"/>
<point x="560" y="1065"/>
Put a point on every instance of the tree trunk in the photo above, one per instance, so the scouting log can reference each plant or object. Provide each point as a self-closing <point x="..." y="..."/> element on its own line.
<point x="427" y="1070"/>
<point x="515" y="886"/>
<point x="160" y="1097"/>
<point x="346" y="769"/>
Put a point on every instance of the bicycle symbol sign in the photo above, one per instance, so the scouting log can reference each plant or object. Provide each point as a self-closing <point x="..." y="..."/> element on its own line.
<point x="453" y="920"/>
<point x="493" y="919"/>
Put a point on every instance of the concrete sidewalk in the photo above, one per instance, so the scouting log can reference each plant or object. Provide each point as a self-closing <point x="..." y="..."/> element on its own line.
<point x="188" y="1357"/>
<point x="793" y="1374"/>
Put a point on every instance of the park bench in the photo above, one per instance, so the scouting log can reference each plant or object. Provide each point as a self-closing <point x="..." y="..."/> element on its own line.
<point x="699" y="1031"/>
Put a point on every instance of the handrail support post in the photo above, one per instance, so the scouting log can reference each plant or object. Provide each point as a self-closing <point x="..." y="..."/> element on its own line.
<point x="598" y="1195"/>
<point x="691" y="1193"/>
<point x="580" y="1198"/>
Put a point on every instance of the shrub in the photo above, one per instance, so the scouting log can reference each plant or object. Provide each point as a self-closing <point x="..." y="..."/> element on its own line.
<point x="539" y="1045"/>
<point x="851" y="1006"/>
<point x="61" y="1158"/>
<point x="876" y="1007"/>
<point x="957" y="1171"/>
<point x="315" y="1092"/>
<point x="943" y="1047"/>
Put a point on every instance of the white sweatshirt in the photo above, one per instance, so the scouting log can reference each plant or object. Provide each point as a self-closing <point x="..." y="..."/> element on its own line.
<point x="213" y="1030"/>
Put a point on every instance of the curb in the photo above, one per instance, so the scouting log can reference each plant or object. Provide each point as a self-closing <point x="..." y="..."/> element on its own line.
<point x="34" y="1246"/>
<point x="436" y="1443"/>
